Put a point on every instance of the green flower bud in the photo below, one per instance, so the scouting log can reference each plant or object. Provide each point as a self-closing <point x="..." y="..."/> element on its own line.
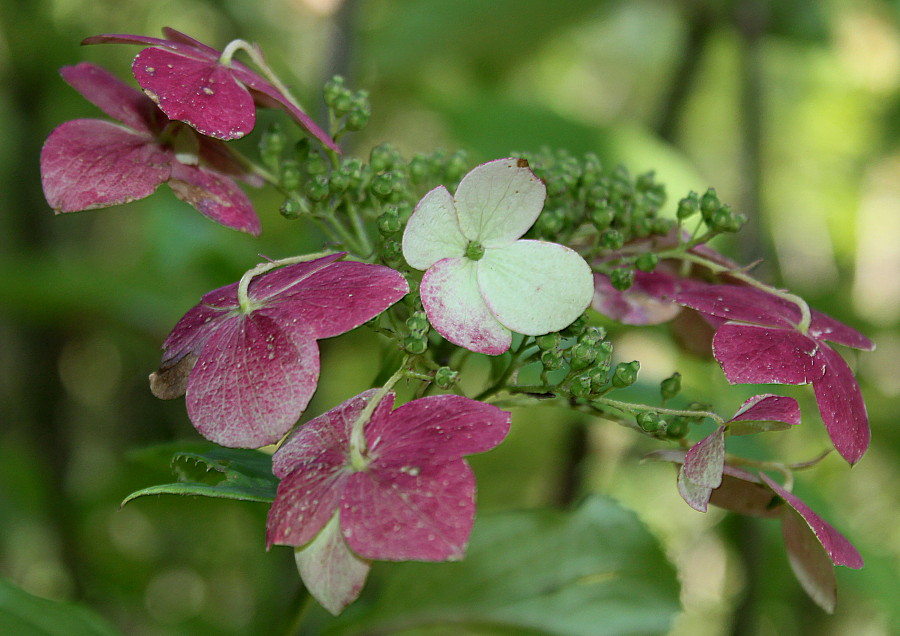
<point x="548" y="341"/>
<point x="612" y="239"/>
<point x="332" y="89"/>
<point x="271" y="145"/>
<point x="646" y="262"/>
<point x="445" y="377"/>
<point x="709" y="203"/>
<point x="625" y="374"/>
<point x="551" y="222"/>
<point x="339" y="181"/>
<point x="383" y="185"/>
<point x="389" y="221"/>
<point x="381" y="157"/>
<point x="677" y="428"/>
<point x="601" y="218"/>
<point x="642" y="226"/>
<point x="621" y="278"/>
<point x="599" y="374"/>
<point x="418" y="168"/>
<point x="688" y="206"/>
<point x="392" y="253"/>
<point x="661" y="226"/>
<point x="582" y="355"/>
<point x="551" y="359"/>
<point x="357" y="119"/>
<point x="721" y="219"/>
<point x="291" y="209"/>
<point x="604" y="349"/>
<point x="591" y="170"/>
<point x="649" y="421"/>
<point x="418" y="324"/>
<point x="456" y="165"/>
<point x="592" y="336"/>
<point x="646" y="181"/>
<point x="316" y="164"/>
<point x="317" y="188"/>
<point x="580" y="386"/>
<point x="415" y="345"/>
<point x="290" y="174"/>
<point x="342" y="103"/>
<point x="576" y="327"/>
<point x="671" y="386"/>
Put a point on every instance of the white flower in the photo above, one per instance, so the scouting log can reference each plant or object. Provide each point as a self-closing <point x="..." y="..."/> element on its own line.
<point x="481" y="283"/>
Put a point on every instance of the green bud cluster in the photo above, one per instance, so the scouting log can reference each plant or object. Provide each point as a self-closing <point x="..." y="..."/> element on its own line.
<point x="717" y="216"/>
<point x="446" y="378"/>
<point x="353" y="106"/>
<point x="583" y="197"/>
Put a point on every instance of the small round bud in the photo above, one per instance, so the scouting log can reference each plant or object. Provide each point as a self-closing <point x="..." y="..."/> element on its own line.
<point x="662" y="226"/>
<point x="392" y="253"/>
<point x="357" y="119"/>
<point x="709" y="203"/>
<point x="418" y="324"/>
<point x="576" y="327"/>
<point x="291" y="209"/>
<point x="550" y="223"/>
<point x="551" y="359"/>
<point x="381" y="157"/>
<point x="642" y="226"/>
<point x="582" y="355"/>
<point x="383" y="185"/>
<point x="599" y="374"/>
<point x="625" y="374"/>
<point x="601" y="217"/>
<point x="445" y="377"/>
<point x="456" y="165"/>
<point x="688" y="206"/>
<point x="677" y="428"/>
<point x="721" y="219"/>
<point x="342" y="103"/>
<point x="332" y="89"/>
<point x="317" y="188"/>
<point x="592" y="336"/>
<point x="580" y="386"/>
<point x="646" y="262"/>
<point x="418" y="168"/>
<point x="621" y="278"/>
<point x="671" y="386"/>
<point x="415" y="345"/>
<point x="290" y="174"/>
<point x="648" y="421"/>
<point x="339" y="181"/>
<point x="271" y="145"/>
<point x="548" y="341"/>
<point x="612" y="239"/>
<point x="316" y="165"/>
<point x="389" y="222"/>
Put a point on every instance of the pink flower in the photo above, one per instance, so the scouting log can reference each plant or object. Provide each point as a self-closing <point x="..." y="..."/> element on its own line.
<point x="701" y="472"/>
<point x="812" y="545"/>
<point x="91" y="163"/>
<point x="192" y="83"/>
<point x="759" y="342"/>
<point x="249" y="371"/>
<point x="408" y="495"/>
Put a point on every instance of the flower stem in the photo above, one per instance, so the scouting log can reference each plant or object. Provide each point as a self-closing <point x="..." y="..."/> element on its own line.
<point x="640" y="408"/>
<point x="256" y="55"/>
<point x="244" y="301"/>
<point x="716" y="268"/>
<point x="358" y="460"/>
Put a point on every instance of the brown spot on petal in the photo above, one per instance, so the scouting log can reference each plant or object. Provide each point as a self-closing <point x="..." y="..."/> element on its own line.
<point x="521" y="163"/>
<point x="170" y="380"/>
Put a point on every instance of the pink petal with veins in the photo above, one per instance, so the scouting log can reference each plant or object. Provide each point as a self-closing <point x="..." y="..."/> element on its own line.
<point x="841" y="406"/>
<point x="750" y="354"/>
<point x="89" y="163"/>
<point x="214" y="196"/>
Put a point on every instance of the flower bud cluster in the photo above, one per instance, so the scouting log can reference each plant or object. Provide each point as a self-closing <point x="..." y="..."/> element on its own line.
<point x="717" y="216"/>
<point x="583" y="199"/>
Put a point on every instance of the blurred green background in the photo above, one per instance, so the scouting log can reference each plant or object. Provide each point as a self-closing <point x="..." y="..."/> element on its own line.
<point x="791" y="109"/>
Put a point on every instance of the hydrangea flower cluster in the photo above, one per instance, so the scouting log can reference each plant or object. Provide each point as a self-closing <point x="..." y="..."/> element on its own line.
<point x="433" y="269"/>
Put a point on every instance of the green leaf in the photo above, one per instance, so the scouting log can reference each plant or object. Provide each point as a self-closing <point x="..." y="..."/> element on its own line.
<point x="226" y="473"/>
<point x="24" y="614"/>
<point x="592" y="572"/>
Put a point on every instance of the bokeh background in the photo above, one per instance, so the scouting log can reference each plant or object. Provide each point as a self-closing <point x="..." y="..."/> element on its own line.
<point x="791" y="109"/>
